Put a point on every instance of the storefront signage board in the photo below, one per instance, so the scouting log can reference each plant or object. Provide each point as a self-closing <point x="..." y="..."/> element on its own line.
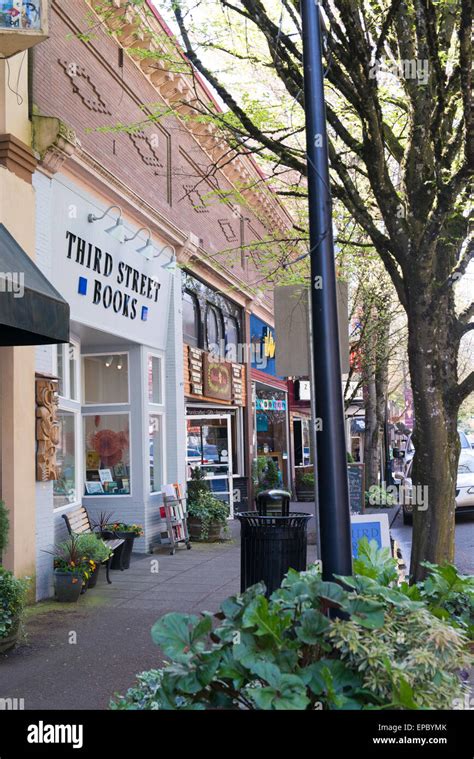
<point x="217" y="379"/>
<point x="356" y="477"/>
<point x="108" y="284"/>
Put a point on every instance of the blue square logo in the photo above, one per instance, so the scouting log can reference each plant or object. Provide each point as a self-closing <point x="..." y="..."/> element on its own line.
<point x="82" y="287"/>
<point x="144" y="313"/>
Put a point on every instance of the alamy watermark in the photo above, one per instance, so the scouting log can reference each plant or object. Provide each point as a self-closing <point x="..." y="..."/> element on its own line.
<point x="12" y="282"/>
<point x="412" y="68"/>
<point x="416" y="496"/>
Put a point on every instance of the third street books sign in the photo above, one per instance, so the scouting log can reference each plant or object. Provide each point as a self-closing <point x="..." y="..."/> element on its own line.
<point x="217" y="379"/>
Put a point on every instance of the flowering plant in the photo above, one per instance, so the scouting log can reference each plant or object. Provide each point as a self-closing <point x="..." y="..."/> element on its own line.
<point x="137" y="529"/>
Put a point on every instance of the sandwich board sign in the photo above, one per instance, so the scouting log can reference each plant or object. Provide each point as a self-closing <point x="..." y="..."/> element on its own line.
<point x="370" y="526"/>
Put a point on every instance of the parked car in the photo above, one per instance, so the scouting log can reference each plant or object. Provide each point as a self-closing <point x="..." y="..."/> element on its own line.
<point x="409" y="452"/>
<point x="464" y="487"/>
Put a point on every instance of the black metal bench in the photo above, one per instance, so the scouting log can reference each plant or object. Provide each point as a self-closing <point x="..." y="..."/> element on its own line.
<point x="78" y="523"/>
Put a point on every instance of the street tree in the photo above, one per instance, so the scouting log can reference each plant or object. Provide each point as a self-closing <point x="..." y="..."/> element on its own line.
<point x="401" y="147"/>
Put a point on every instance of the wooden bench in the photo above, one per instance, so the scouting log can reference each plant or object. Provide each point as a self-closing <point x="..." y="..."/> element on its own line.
<point x="78" y="523"/>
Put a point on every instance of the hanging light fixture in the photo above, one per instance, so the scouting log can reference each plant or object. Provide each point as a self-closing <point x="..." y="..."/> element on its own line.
<point x="119" y="363"/>
<point x="117" y="231"/>
<point x="145" y="250"/>
<point x="108" y="361"/>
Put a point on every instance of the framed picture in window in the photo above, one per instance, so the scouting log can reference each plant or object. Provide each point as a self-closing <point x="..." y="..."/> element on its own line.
<point x="105" y="475"/>
<point x="94" y="488"/>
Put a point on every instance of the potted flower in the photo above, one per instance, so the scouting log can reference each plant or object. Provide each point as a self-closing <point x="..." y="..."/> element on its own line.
<point x="94" y="549"/>
<point x="121" y="557"/>
<point x="304" y="485"/>
<point x="12" y="602"/>
<point x="206" y="517"/>
<point x="72" y="570"/>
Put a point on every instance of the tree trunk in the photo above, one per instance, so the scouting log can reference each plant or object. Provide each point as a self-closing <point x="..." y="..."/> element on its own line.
<point x="432" y="356"/>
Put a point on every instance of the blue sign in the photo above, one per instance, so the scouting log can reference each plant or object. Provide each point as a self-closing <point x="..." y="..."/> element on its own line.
<point x="369" y="530"/>
<point x="263" y="345"/>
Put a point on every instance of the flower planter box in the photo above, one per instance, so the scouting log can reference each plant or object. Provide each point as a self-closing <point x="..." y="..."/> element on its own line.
<point x="7" y="642"/>
<point x="67" y="586"/>
<point x="195" y="530"/>
<point x="122" y="556"/>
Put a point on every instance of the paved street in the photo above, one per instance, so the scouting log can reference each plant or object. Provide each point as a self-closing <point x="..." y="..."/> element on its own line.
<point x="112" y="625"/>
<point x="464" y="541"/>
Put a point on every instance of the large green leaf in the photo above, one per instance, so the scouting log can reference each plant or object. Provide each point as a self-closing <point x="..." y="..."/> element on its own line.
<point x="266" y="620"/>
<point x="312" y="626"/>
<point x="176" y="633"/>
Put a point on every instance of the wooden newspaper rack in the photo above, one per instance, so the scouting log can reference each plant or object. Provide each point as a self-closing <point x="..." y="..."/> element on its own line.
<point x="174" y="528"/>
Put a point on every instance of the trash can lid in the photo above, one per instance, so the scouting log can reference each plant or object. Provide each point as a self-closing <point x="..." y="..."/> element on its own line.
<point x="274" y="495"/>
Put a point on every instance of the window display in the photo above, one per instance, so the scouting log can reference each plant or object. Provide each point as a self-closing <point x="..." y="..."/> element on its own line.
<point x="106" y="379"/>
<point x="107" y="454"/>
<point x="271" y="427"/>
<point x="65" y="487"/>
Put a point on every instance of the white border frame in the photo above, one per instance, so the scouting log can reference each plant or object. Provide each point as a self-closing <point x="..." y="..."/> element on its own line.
<point x="384" y="525"/>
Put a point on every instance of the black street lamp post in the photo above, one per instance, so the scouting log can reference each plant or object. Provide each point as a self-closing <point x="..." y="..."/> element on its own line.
<point x="334" y="514"/>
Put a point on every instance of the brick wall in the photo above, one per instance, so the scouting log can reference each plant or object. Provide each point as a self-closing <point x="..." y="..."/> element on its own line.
<point x="81" y="83"/>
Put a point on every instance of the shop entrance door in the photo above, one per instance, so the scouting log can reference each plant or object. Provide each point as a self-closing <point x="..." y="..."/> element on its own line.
<point x="209" y="446"/>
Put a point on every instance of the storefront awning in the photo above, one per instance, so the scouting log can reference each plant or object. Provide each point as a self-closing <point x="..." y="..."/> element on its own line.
<point x="32" y="312"/>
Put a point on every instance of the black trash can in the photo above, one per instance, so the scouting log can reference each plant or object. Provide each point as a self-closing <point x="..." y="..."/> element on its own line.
<point x="271" y="543"/>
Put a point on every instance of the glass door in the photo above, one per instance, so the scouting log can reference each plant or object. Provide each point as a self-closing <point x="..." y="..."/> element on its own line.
<point x="209" y="446"/>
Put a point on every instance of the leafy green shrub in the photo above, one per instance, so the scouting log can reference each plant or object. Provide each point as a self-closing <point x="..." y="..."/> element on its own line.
<point x="350" y="457"/>
<point x="12" y="600"/>
<point x="305" y="480"/>
<point x="4" y="528"/>
<point x="90" y="545"/>
<point x="375" y="562"/>
<point x="197" y="485"/>
<point x="447" y="594"/>
<point x="388" y="651"/>
<point x="209" y="510"/>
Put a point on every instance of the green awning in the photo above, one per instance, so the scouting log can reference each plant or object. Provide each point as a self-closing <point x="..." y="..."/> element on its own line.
<point x="32" y="312"/>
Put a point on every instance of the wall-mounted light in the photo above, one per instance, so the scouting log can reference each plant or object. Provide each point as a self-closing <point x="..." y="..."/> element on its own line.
<point x="108" y="361"/>
<point x="172" y="263"/>
<point x="117" y="231"/>
<point x="145" y="250"/>
<point x="119" y="363"/>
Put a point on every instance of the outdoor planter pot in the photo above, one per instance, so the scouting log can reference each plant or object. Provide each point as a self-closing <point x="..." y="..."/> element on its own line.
<point x="195" y="529"/>
<point x="121" y="557"/>
<point x="67" y="586"/>
<point x="9" y="641"/>
<point x="304" y="493"/>
<point x="93" y="578"/>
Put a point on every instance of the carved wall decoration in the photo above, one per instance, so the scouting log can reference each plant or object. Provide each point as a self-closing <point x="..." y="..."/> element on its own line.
<point x="144" y="147"/>
<point x="196" y="199"/>
<point x="83" y="86"/>
<point x="228" y="230"/>
<point x="47" y="427"/>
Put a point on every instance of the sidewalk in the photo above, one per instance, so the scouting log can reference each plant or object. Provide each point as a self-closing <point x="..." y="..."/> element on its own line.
<point x="111" y="626"/>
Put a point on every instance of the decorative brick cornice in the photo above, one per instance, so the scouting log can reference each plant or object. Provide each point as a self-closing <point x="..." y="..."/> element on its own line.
<point x="17" y="157"/>
<point x="53" y="142"/>
<point x="159" y="59"/>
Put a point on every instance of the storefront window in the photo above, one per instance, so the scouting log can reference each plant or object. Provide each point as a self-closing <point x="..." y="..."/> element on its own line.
<point x="107" y="454"/>
<point x="154" y="379"/>
<point x="271" y="427"/>
<point x="231" y="337"/>
<point x="65" y="487"/>
<point x="213" y="329"/>
<point x="155" y="452"/>
<point x="190" y="319"/>
<point x="106" y="378"/>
